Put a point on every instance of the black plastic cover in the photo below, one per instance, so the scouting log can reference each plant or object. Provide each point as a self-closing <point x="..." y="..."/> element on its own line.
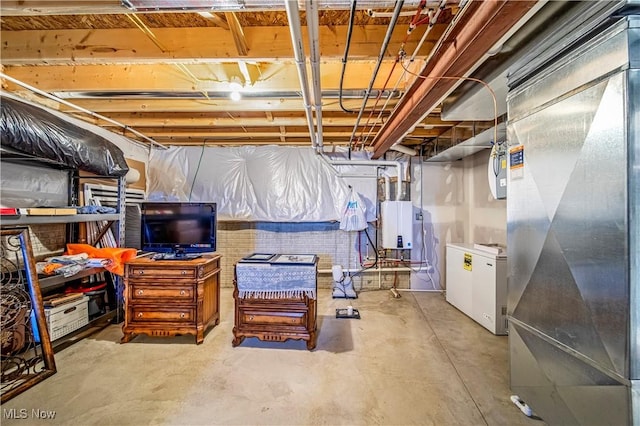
<point x="35" y="131"/>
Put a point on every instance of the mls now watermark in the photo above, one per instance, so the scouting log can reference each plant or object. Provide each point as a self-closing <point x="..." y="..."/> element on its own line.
<point x="23" y="413"/>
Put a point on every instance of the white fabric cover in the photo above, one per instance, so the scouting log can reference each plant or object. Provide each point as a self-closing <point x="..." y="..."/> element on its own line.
<point x="269" y="281"/>
<point x="256" y="183"/>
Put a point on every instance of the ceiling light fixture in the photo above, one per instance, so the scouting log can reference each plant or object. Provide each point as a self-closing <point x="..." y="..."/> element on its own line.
<point x="235" y="86"/>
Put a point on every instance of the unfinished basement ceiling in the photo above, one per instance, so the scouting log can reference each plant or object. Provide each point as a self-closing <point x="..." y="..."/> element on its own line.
<point x="166" y="68"/>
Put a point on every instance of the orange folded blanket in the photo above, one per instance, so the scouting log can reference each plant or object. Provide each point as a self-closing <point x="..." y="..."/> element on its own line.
<point x="116" y="256"/>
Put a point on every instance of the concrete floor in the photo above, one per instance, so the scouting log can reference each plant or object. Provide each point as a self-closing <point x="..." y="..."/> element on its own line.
<point x="412" y="360"/>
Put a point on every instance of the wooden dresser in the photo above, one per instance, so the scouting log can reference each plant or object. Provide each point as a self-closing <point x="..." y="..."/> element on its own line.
<point x="171" y="297"/>
<point x="274" y="315"/>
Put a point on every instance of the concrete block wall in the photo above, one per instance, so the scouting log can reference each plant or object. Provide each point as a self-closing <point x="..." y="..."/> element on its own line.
<point x="236" y="240"/>
<point x="47" y="240"/>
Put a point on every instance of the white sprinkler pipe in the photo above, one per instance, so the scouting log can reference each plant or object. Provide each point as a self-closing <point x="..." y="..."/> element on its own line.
<point x="298" y="50"/>
<point x="313" y="28"/>
<point x="372" y="163"/>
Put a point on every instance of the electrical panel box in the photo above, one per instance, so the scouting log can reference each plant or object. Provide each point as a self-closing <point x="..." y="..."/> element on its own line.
<point x="397" y="224"/>
<point x="497" y="173"/>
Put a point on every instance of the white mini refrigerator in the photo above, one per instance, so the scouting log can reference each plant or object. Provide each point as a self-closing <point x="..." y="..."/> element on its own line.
<point x="477" y="285"/>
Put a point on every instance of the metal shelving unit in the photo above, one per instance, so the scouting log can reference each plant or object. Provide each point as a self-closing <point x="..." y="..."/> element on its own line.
<point x="26" y="220"/>
<point x="49" y="284"/>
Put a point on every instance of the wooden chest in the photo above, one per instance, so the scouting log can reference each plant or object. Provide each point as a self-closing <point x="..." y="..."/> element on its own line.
<point x="171" y="297"/>
<point x="275" y="318"/>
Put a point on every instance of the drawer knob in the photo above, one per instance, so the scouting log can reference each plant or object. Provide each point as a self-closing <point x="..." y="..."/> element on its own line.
<point x="250" y="317"/>
<point x="140" y="292"/>
<point x="140" y="272"/>
<point x="182" y="292"/>
<point x="182" y="315"/>
<point x="139" y="314"/>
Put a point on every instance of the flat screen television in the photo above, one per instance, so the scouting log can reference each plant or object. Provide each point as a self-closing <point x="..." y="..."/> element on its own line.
<point x="178" y="228"/>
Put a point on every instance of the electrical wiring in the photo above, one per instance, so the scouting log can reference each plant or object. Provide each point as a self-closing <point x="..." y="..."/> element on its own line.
<point x="412" y="25"/>
<point x="374" y="264"/>
<point x="496" y="164"/>
<point x="359" y="248"/>
<point x="352" y="16"/>
<point x="433" y="18"/>
<point x="477" y="80"/>
<point x="195" y="174"/>
<point x="385" y="43"/>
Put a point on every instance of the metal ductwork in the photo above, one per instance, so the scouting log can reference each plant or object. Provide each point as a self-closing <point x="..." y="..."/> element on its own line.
<point x="573" y="223"/>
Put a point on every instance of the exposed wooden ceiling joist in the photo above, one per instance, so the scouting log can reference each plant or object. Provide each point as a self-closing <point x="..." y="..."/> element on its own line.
<point x="196" y="78"/>
<point x="184" y="45"/>
<point x="168" y="73"/>
<point x="237" y="33"/>
<point x="481" y="25"/>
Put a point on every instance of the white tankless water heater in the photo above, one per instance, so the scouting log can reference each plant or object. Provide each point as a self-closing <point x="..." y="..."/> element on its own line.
<point x="397" y="224"/>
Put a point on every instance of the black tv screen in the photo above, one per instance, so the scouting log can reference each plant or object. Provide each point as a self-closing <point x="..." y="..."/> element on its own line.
<point x="178" y="227"/>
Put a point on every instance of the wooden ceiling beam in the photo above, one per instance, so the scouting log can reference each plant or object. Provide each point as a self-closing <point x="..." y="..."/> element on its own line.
<point x="300" y="121"/>
<point x="211" y="134"/>
<point x="190" y="45"/>
<point x="242" y="142"/>
<point x="61" y="7"/>
<point x="483" y="24"/>
<point x="198" y="106"/>
<point x="214" y="17"/>
<point x="237" y="33"/>
<point x="195" y="78"/>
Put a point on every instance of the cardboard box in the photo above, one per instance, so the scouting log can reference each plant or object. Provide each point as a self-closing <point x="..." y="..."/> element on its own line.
<point x="63" y="319"/>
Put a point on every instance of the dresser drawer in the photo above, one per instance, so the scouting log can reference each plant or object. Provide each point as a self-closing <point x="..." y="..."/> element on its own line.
<point x="161" y="272"/>
<point x="273" y="318"/>
<point x="145" y="292"/>
<point x="144" y="314"/>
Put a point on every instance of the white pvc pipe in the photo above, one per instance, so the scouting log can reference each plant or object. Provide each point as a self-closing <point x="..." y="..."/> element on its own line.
<point x="425" y="290"/>
<point x="387" y="188"/>
<point x="354" y="175"/>
<point x="383" y="269"/>
<point x="293" y="16"/>
<point x="404" y="149"/>
<point x="313" y="28"/>
<point x="373" y="163"/>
